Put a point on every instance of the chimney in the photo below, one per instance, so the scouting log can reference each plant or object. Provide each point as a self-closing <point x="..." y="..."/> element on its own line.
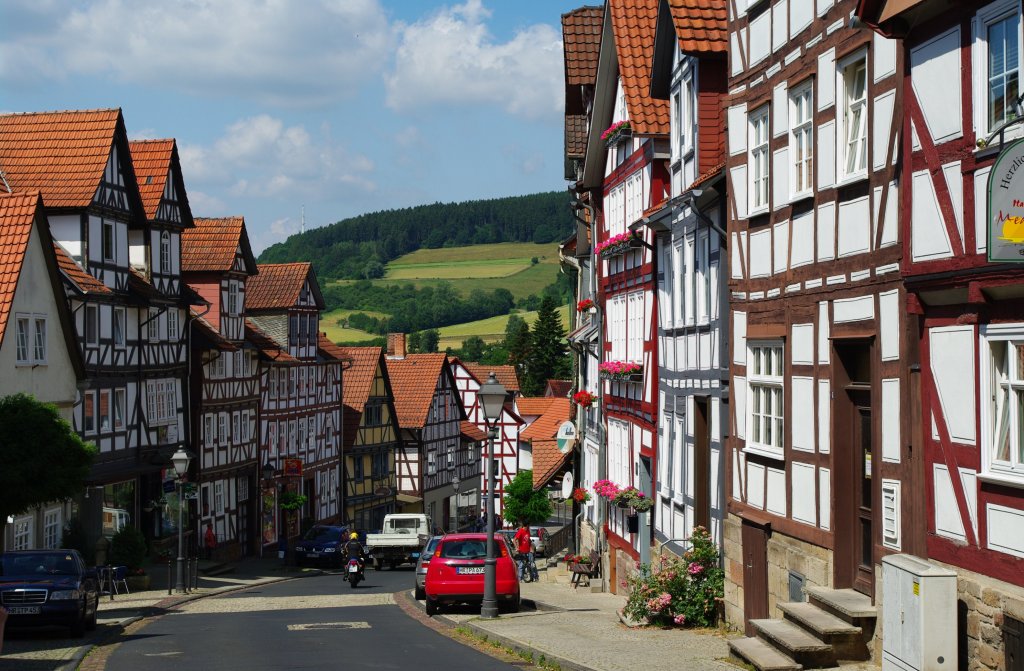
<point x="396" y="346"/>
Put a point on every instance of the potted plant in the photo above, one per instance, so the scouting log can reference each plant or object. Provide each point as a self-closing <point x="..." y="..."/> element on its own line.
<point x="584" y="398"/>
<point x="580" y="495"/>
<point x="585" y="305"/>
<point x="622" y="371"/>
<point x="606" y="489"/>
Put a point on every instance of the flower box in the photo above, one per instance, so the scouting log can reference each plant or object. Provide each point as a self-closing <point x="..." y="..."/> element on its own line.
<point x="620" y="131"/>
<point x="616" y="245"/>
<point x="621" y="371"/>
<point x="585" y="305"/>
<point x="584" y="399"/>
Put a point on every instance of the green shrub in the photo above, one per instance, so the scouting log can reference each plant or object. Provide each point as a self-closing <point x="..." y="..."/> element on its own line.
<point x="682" y="591"/>
<point x="128" y="547"/>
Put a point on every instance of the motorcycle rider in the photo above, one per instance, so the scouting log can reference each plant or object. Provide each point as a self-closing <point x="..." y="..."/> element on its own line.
<point x="354" y="549"/>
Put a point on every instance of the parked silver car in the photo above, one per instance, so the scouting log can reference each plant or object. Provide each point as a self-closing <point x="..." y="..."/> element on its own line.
<point x="539" y="536"/>
<point x="423" y="563"/>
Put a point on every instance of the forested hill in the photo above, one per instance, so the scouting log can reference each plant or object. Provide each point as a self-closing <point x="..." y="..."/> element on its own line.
<point x="360" y="246"/>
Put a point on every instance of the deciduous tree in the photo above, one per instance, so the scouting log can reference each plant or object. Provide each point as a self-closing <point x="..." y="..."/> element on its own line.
<point x="523" y="504"/>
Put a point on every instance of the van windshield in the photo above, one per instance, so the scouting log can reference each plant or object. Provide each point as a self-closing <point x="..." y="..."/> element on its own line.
<point x="404" y="525"/>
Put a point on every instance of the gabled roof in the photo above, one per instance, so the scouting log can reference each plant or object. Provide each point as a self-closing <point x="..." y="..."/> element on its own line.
<point x="547" y="459"/>
<point x="328" y="350"/>
<point x="575" y="135"/>
<point x="210" y="246"/>
<point x="533" y="406"/>
<point x="264" y="344"/>
<point x="81" y="280"/>
<point x="546" y="426"/>
<point x="701" y="25"/>
<point x="633" y="24"/>
<point x="472" y="432"/>
<point x="558" y="388"/>
<point x="207" y="331"/>
<point x="63" y="154"/>
<point x="154" y="162"/>
<point x="581" y="37"/>
<point x="505" y="374"/>
<point x="278" y="285"/>
<point x="360" y="374"/>
<point x="413" y="381"/>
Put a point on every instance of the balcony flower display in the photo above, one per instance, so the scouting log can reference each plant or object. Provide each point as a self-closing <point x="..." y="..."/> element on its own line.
<point x="631" y="497"/>
<point x="615" y="245"/>
<point x="618" y="130"/>
<point x="606" y="489"/>
<point x="584" y="398"/>
<point x="619" y="370"/>
<point x="580" y="495"/>
<point x="584" y="305"/>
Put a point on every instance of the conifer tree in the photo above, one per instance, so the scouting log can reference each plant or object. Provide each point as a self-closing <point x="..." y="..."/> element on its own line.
<point x="548" y="353"/>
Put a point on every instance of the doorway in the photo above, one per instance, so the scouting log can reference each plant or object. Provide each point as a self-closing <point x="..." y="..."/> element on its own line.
<point x="701" y="463"/>
<point x="755" y="574"/>
<point x="854" y="468"/>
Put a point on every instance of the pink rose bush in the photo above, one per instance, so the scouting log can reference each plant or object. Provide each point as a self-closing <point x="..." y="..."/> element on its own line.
<point x="679" y="591"/>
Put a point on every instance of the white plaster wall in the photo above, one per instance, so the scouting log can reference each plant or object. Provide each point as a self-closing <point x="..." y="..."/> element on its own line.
<point x="938" y="60"/>
<point x="928" y="236"/>
<point x="951" y="361"/>
<point x="802" y="413"/>
<point x="826" y="231"/>
<point x="804" y="500"/>
<point x="803" y="240"/>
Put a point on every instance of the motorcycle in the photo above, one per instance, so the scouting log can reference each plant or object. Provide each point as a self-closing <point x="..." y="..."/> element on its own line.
<point x="354" y="571"/>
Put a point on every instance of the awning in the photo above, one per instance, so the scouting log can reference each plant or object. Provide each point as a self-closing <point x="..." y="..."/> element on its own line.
<point x="408" y="498"/>
<point x="584" y="333"/>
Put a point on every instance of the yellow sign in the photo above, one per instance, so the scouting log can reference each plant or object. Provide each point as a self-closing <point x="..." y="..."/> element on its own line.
<point x="917" y="588"/>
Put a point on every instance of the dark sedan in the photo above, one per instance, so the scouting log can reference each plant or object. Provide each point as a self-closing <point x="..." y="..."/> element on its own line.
<point x="322" y="544"/>
<point x="48" y="588"/>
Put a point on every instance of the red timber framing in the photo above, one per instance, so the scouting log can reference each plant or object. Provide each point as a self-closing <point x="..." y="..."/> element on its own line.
<point x="968" y="316"/>
<point x="506" y="448"/>
<point x="216" y="263"/>
<point x="821" y="443"/>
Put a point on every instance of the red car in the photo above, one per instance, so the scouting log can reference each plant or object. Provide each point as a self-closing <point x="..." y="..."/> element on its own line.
<point x="456" y="573"/>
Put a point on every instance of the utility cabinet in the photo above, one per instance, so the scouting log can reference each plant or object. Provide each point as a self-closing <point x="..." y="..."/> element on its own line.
<point x="918" y="615"/>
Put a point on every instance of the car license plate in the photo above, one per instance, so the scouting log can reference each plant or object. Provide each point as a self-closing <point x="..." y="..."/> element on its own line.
<point x="469" y="570"/>
<point x="23" y="610"/>
<point x="314" y="555"/>
<point x="354" y="568"/>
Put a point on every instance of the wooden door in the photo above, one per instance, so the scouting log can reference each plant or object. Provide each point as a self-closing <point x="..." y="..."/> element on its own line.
<point x="863" y="528"/>
<point x="701" y="464"/>
<point x="755" y="574"/>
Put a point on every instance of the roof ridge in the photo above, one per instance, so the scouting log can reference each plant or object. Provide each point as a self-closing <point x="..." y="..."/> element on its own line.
<point x="66" y="111"/>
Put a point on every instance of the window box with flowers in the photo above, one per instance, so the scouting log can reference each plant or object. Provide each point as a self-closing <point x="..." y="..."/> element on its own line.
<point x="586" y="305"/>
<point x="617" y="244"/>
<point x="606" y="489"/>
<point x="580" y="495"/>
<point x="620" y="131"/>
<point x="631" y="497"/>
<point x="584" y="399"/>
<point x="622" y="371"/>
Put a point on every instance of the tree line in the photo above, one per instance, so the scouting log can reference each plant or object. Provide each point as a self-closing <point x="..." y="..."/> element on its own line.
<point x="358" y="247"/>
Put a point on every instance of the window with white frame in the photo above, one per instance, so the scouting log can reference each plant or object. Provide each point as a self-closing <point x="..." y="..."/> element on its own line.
<point x="89" y="412"/>
<point x="236" y="427"/>
<point x="218" y="497"/>
<point x="120" y="327"/>
<point x="618" y="453"/>
<point x="635" y="330"/>
<point x="687" y="117"/>
<point x="217" y="366"/>
<point x="998" y="59"/>
<point x="172" y="325"/>
<point x="24" y="336"/>
<point x="854" y="140"/>
<point x="615" y="211"/>
<point x="209" y="430"/>
<point x="676" y="110"/>
<point x="23" y="533"/>
<point x="759" y="159"/>
<point x="801" y="139"/>
<point x="120" y="406"/>
<point x="105" y="410"/>
<point x="679" y="270"/>
<point x="222" y="428"/>
<point x="233" y="306"/>
<point x="165" y="253"/>
<point x="431" y="462"/>
<point x="617" y="324"/>
<point x="39" y="340"/>
<point x="1005" y="454"/>
<point x="292" y="434"/>
<point x="634" y="197"/>
<point x="702" y="277"/>
<point x="153" y="325"/>
<point x="108" y="240"/>
<point x="92" y="325"/>
<point x="765" y="425"/>
<point x="161" y="402"/>
<point x="51" y="528"/>
<point x="312" y="433"/>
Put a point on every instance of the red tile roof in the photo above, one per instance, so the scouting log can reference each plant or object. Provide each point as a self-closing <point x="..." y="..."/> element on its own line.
<point x="62" y="154"/>
<point x="413" y="381"/>
<point x="17" y="216"/>
<point x="210" y="332"/>
<point x="265" y="344"/>
<point x="357" y="383"/>
<point x="533" y="406"/>
<point x="546" y="426"/>
<point x="472" y="432"/>
<point x="211" y="244"/>
<point x="83" y="281"/>
<point x="581" y="36"/>
<point x="547" y="459"/>
<point x="575" y="135"/>
<point x="328" y="349"/>
<point x="633" y="24"/>
<point x="505" y="374"/>
<point x="701" y="25"/>
<point x="558" y="388"/>
<point x="277" y="286"/>
<point x="707" y="175"/>
<point x="152" y="161"/>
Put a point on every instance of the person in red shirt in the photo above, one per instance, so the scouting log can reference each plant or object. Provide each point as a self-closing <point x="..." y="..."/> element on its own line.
<point x="524" y="548"/>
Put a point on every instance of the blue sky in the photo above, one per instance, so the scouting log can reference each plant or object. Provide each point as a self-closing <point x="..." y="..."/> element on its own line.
<point x="341" y="106"/>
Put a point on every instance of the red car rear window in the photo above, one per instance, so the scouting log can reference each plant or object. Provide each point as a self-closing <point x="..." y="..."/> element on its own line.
<point x="464" y="549"/>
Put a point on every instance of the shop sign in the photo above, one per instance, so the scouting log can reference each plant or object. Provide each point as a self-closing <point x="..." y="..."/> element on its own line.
<point x="1006" y="206"/>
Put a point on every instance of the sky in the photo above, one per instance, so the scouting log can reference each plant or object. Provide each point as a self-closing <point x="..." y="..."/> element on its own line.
<point x="334" y="107"/>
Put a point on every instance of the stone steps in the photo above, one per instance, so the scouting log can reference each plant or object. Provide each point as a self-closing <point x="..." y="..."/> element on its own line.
<point x="795" y="642"/>
<point x="762" y="656"/>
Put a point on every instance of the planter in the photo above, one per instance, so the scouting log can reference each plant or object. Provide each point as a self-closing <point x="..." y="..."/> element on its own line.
<point x="622" y="504"/>
<point x="622" y="135"/>
<point x="138" y="583"/>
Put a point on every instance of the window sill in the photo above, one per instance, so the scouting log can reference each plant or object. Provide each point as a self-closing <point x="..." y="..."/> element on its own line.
<point x="763" y="209"/>
<point x="798" y="197"/>
<point x="764" y="452"/>
<point x="849" y="180"/>
<point x="1005" y="479"/>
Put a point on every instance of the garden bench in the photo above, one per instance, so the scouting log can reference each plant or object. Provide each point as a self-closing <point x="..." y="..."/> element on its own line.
<point x="582" y="570"/>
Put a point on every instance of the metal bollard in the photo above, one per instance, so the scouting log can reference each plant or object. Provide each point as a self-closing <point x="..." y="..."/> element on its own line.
<point x="195" y="574"/>
<point x="170" y="582"/>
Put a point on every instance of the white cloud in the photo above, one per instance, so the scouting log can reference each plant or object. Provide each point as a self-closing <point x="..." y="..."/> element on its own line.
<point x="452" y="58"/>
<point x="271" y="51"/>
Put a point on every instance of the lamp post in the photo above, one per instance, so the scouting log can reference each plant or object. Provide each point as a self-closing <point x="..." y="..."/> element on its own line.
<point x="492" y="398"/>
<point x="456" y="483"/>
<point x="181" y="460"/>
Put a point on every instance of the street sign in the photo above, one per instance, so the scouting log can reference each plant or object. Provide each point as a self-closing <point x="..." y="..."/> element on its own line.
<point x="1006" y="206"/>
<point x="168" y="486"/>
<point x="566" y="437"/>
<point x="292" y="467"/>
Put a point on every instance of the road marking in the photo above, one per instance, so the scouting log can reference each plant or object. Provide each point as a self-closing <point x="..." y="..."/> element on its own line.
<point x="328" y="625"/>
<point x="161" y="654"/>
<point x="248" y="604"/>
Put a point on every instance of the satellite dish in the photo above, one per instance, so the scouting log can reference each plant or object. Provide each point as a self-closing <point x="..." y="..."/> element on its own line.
<point x="566" y="437"/>
<point x="567" y="485"/>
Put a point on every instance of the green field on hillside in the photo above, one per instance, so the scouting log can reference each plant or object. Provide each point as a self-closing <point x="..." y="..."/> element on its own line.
<point x="336" y="333"/>
<point x="491" y="330"/>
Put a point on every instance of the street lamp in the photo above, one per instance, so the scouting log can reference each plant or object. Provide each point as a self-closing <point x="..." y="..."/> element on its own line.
<point x="181" y="460"/>
<point x="456" y="482"/>
<point x="492" y="398"/>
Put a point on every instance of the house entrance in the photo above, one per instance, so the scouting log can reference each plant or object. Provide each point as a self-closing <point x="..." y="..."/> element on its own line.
<point x="755" y="574"/>
<point x="854" y="434"/>
<point x="701" y="464"/>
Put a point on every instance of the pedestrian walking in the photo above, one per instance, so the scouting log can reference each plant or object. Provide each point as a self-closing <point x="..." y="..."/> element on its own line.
<point x="209" y="540"/>
<point x="524" y="550"/>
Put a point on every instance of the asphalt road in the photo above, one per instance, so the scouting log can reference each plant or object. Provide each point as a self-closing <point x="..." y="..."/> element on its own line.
<point x="311" y="623"/>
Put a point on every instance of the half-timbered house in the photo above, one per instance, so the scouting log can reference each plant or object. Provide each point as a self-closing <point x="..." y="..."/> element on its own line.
<point x="819" y="448"/>
<point x="960" y="67"/>
<point x="626" y="173"/>
<point x="468" y="378"/>
<point x="130" y="322"/>
<point x="38" y="347"/>
<point x="432" y="455"/>
<point x="370" y="438"/>
<point x="216" y="261"/>
<point x="689" y="71"/>
<point x="300" y="396"/>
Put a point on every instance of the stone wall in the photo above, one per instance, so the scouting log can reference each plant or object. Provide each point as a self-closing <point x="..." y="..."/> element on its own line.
<point x="982" y="603"/>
